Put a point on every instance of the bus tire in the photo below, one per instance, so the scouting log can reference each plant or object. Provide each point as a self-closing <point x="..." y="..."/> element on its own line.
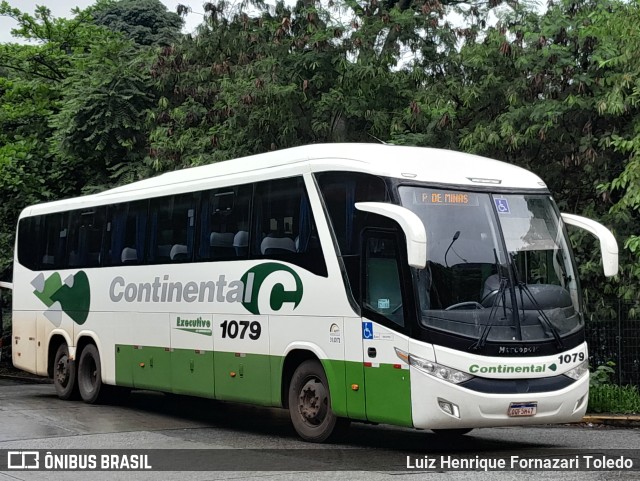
<point x="89" y="375"/>
<point x="310" y="404"/>
<point x="64" y="374"/>
<point x="452" y="432"/>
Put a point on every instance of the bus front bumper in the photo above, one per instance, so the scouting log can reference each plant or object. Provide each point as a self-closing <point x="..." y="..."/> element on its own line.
<point x="439" y="404"/>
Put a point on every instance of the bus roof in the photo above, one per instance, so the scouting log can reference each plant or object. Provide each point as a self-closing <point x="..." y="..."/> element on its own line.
<point x="418" y="164"/>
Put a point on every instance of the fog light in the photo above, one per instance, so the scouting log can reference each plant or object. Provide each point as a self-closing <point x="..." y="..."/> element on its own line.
<point x="449" y="408"/>
<point x="579" y="403"/>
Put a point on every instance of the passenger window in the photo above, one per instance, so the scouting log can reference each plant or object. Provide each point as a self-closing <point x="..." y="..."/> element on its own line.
<point x="85" y="237"/>
<point x="28" y="247"/>
<point x="53" y="241"/>
<point x="283" y="226"/>
<point x="383" y="290"/>
<point x="224" y="223"/>
<point x="341" y="191"/>
<point x="172" y="228"/>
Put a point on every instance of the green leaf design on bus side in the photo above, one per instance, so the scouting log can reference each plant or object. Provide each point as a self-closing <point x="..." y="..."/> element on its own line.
<point x="74" y="297"/>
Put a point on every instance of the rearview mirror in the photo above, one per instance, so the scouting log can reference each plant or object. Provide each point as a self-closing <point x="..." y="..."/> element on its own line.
<point x="411" y="225"/>
<point x="608" y="244"/>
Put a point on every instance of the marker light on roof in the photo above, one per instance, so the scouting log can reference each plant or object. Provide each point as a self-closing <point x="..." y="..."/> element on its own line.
<point x="478" y="180"/>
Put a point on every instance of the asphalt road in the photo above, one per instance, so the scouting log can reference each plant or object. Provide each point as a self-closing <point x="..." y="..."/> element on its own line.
<point x="33" y="418"/>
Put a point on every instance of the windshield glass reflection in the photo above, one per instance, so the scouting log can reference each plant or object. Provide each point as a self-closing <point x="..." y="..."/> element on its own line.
<point x="472" y="287"/>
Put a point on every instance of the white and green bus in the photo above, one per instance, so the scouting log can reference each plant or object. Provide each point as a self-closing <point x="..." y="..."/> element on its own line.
<point x="410" y="286"/>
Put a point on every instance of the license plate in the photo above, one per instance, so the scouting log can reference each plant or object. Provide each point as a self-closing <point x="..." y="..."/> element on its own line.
<point x="523" y="409"/>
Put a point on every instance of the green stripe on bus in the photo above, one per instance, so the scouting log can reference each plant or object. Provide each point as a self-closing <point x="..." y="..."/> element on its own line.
<point x="257" y="379"/>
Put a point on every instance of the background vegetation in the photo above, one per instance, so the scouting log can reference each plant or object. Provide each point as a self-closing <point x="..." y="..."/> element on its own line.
<point x="117" y="93"/>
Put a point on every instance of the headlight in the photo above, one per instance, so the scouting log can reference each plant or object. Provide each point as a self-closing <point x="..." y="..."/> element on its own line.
<point x="433" y="368"/>
<point x="578" y="371"/>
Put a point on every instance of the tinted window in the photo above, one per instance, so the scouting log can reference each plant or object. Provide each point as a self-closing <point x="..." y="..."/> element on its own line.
<point x="340" y="191"/>
<point x="283" y="226"/>
<point x="28" y="245"/>
<point x="172" y="227"/>
<point x="383" y="293"/>
<point x="125" y="233"/>
<point x="52" y="241"/>
<point x="224" y="223"/>
<point x="85" y="237"/>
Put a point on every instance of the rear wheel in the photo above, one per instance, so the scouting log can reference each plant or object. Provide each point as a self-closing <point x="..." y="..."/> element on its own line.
<point x="89" y="377"/>
<point x="310" y="404"/>
<point x="64" y="374"/>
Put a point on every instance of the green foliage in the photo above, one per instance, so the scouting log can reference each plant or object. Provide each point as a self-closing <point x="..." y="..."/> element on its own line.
<point x="606" y="397"/>
<point x="610" y="398"/>
<point x="601" y="375"/>
<point x="146" y="22"/>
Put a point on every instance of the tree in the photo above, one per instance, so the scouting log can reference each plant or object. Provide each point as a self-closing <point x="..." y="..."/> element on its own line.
<point x="146" y="22"/>
<point x="553" y="93"/>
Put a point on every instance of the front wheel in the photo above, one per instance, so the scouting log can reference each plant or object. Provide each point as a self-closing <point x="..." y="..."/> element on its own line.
<point x="310" y="404"/>
<point x="64" y="374"/>
<point x="89" y="375"/>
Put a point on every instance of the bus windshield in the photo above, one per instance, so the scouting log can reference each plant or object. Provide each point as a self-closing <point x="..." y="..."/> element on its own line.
<point x="499" y="267"/>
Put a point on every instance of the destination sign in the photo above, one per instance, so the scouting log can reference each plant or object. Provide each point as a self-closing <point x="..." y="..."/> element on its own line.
<point x="443" y="197"/>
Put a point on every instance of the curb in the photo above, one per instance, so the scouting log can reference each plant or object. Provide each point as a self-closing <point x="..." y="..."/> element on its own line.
<point x="621" y="420"/>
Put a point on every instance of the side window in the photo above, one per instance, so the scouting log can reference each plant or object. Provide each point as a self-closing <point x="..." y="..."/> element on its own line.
<point x="340" y="191"/>
<point x="172" y="228"/>
<point x="28" y="246"/>
<point x="283" y="226"/>
<point x="382" y="278"/>
<point x="224" y="223"/>
<point x="85" y="237"/>
<point x="125" y="233"/>
<point x="52" y="237"/>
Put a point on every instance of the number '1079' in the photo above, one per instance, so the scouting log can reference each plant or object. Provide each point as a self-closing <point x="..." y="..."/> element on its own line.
<point x="568" y="358"/>
<point x="233" y="329"/>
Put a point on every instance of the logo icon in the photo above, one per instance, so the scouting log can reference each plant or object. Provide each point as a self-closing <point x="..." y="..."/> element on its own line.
<point x="72" y="296"/>
<point x="282" y="282"/>
<point x="502" y="205"/>
<point x="23" y="460"/>
<point x="367" y="330"/>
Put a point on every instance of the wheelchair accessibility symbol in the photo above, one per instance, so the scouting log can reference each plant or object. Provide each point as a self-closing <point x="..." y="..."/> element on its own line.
<point x="367" y="330"/>
<point x="502" y="206"/>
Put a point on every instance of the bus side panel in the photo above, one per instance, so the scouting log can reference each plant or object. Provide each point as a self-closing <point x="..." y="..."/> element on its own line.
<point x="192" y="354"/>
<point x="387" y="377"/>
<point x="242" y="358"/>
<point x="24" y="340"/>
<point x="354" y="368"/>
<point x="136" y="347"/>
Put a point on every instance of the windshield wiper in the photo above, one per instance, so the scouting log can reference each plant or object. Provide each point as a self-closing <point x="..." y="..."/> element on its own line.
<point x="543" y="318"/>
<point x="480" y="343"/>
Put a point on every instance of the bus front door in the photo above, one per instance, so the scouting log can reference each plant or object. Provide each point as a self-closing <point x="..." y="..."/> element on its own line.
<point x="386" y="375"/>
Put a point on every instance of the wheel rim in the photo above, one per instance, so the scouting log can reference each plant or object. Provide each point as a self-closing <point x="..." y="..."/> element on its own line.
<point x="62" y="371"/>
<point x="312" y="402"/>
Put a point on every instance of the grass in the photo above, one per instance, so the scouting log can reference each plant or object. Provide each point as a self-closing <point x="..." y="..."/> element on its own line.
<point x="611" y="398"/>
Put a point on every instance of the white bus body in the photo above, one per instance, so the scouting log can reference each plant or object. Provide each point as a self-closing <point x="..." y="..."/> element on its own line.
<point x="410" y="286"/>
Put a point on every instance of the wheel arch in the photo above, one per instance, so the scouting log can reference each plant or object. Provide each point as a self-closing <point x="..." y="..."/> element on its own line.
<point x="56" y="339"/>
<point x="335" y="373"/>
<point x="292" y="360"/>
